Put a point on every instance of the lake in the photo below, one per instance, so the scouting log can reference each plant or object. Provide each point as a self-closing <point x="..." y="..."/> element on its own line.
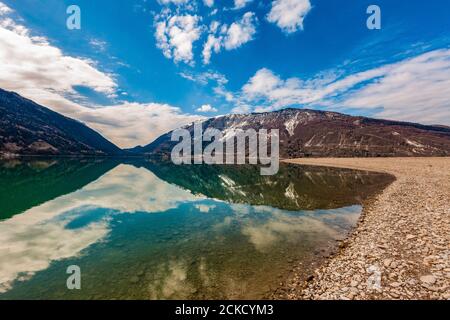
<point x="140" y="229"/>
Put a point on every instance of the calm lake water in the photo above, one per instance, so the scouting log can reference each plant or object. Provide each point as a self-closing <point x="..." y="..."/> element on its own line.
<point x="147" y="230"/>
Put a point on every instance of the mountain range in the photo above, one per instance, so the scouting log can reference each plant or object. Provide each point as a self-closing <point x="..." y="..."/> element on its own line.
<point x="313" y="133"/>
<point x="27" y="128"/>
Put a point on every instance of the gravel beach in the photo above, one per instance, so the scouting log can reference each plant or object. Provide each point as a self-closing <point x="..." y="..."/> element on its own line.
<point x="401" y="246"/>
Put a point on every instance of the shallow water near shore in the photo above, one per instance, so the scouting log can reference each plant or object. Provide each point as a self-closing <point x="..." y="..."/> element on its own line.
<point x="149" y="230"/>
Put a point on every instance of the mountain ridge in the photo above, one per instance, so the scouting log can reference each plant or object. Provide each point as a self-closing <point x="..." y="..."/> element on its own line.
<point x="305" y="132"/>
<point x="27" y="128"/>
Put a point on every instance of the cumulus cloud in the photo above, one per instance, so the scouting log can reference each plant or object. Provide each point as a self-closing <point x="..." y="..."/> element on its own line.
<point x="4" y="9"/>
<point x="178" y="29"/>
<point x="229" y="37"/>
<point x="415" y="89"/>
<point x="46" y="66"/>
<point x="240" y="32"/>
<point x="176" y="34"/>
<point x="132" y="124"/>
<point x="289" y="14"/>
<point x="206" y="108"/>
<point x="34" y="68"/>
<point x="212" y="44"/>
<point x="209" y="3"/>
<point x="221" y="91"/>
<point x="239" y="4"/>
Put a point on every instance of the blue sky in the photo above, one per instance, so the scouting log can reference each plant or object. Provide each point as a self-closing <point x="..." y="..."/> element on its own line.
<point x="139" y="68"/>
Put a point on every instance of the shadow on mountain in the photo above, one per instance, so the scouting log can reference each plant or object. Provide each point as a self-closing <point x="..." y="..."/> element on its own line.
<point x="295" y="187"/>
<point x="26" y="184"/>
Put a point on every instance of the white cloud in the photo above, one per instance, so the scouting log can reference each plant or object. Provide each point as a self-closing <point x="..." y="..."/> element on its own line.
<point x="416" y="89"/>
<point x="223" y="92"/>
<point x="206" y="108"/>
<point x="205" y="77"/>
<point x="176" y="2"/>
<point x="34" y="68"/>
<point x="209" y="3"/>
<point x="132" y="124"/>
<point x="212" y="44"/>
<point x="275" y="92"/>
<point x="242" y="109"/>
<point x="98" y="44"/>
<point x="289" y="14"/>
<point x="264" y="81"/>
<point x="31" y="62"/>
<point x="177" y="30"/>
<point x="4" y="9"/>
<point x="240" y="32"/>
<point x="176" y="34"/>
<point x="232" y="37"/>
<point x="239" y="4"/>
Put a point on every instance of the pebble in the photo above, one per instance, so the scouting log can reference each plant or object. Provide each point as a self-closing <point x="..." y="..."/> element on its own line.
<point x="399" y="250"/>
<point x="428" y="279"/>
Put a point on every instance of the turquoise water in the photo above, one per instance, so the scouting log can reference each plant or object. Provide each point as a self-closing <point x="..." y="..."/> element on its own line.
<point x="146" y="230"/>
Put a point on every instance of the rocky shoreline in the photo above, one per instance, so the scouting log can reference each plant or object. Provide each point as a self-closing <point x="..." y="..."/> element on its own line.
<point x="401" y="246"/>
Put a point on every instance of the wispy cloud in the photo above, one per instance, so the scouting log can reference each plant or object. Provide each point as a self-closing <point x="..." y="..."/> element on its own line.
<point x="204" y="78"/>
<point x="239" y="4"/>
<point x="415" y="89"/>
<point x="98" y="44"/>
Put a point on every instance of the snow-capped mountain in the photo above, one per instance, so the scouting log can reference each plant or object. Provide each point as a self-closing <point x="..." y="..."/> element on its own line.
<point x="325" y="134"/>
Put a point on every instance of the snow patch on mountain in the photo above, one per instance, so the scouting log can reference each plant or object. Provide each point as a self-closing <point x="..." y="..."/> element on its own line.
<point x="291" y="125"/>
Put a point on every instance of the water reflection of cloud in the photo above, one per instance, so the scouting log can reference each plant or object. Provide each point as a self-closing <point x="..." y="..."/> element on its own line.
<point x="205" y="208"/>
<point x="170" y="281"/>
<point x="29" y="242"/>
<point x="278" y="225"/>
<point x="177" y="279"/>
<point x="26" y="249"/>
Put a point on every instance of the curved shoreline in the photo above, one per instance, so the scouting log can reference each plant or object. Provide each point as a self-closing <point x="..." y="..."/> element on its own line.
<point x="400" y="248"/>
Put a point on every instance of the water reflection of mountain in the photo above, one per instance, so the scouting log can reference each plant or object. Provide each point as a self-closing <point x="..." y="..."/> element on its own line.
<point x="293" y="188"/>
<point x="25" y="184"/>
<point x="103" y="215"/>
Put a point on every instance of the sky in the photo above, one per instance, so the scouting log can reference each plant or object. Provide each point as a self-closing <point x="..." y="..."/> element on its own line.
<point x="139" y="68"/>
